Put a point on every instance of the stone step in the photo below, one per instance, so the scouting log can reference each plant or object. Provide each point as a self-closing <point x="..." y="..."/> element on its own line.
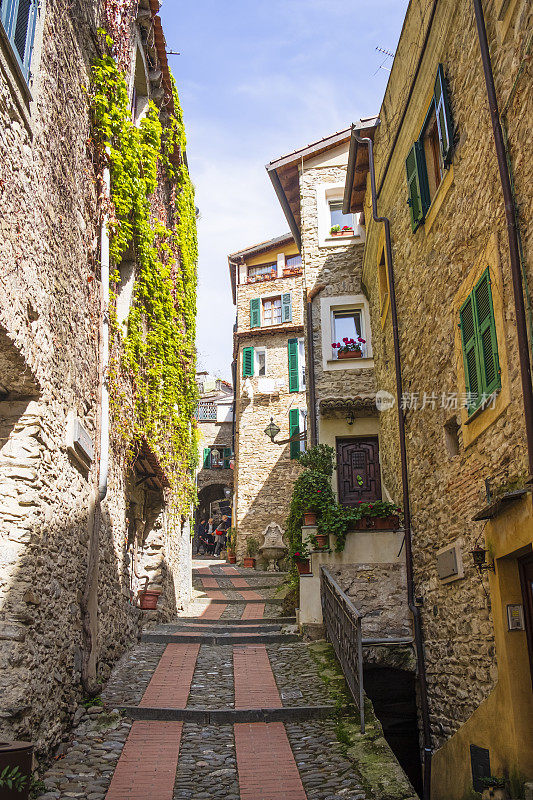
<point x="228" y="716"/>
<point x="219" y="638"/>
<point x="249" y="622"/>
<point x="252" y="586"/>
<point x="229" y="628"/>
<point x="237" y="600"/>
<point x="242" y="573"/>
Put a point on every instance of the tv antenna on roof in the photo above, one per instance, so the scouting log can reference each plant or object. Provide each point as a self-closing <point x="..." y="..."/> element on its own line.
<point x="387" y="54"/>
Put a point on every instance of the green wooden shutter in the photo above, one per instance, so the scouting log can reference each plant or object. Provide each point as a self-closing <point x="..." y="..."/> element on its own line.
<point x="444" y="116"/>
<point x="294" y="428"/>
<point x="294" y="383"/>
<point x="227" y="457"/>
<point x="418" y="199"/>
<point x="286" y="307"/>
<point x="247" y="362"/>
<point x="486" y="332"/>
<point x="255" y="313"/>
<point x="207" y="458"/>
<point x="470" y="352"/>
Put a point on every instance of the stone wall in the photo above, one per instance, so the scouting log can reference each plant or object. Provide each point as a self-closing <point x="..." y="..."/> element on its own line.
<point x="248" y="291"/>
<point x="50" y="319"/>
<point x="447" y="485"/>
<point x="338" y="269"/>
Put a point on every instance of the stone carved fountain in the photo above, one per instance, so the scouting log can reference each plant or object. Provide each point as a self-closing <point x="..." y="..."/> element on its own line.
<point x="273" y="548"/>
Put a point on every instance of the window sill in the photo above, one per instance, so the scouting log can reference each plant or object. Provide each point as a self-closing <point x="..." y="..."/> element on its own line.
<point x="349" y="363"/>
<point x="438" y="200"/>
<point x="489" y="403"/>
<point x="339" y="241"/>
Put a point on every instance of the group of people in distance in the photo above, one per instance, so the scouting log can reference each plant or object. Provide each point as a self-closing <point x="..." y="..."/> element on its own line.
<point x="212" y="536"/>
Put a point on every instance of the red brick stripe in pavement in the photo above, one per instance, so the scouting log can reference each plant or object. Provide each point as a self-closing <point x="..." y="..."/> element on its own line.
<point x="255" y="686"/>
<point x="147" y="766"/>
<point x="251" y="595"/>
<point x="171" y="682"/>
<point x="204" y="571"/>
<point x="265" y="763"/>
<point x="239" y="583"/>
<point x="213" y="611"/>
<point x="210" y="583"/>
<point x="214" y="594"/>
<point x="229" y="568"/>
<point x="253" y="611"/>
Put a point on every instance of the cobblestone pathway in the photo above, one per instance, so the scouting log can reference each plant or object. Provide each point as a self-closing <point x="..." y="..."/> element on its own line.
<point x="226" y="702"/>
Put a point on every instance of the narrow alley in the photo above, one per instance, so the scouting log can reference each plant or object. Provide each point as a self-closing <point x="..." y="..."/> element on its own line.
<point x="227" y="702"/>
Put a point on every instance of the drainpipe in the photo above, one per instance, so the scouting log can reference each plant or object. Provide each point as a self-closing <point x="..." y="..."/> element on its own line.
<point x="89" y="599"/>
<point x="417" y="622"/>
<point x="512" y="234"/>
<point x="311" y="351"/>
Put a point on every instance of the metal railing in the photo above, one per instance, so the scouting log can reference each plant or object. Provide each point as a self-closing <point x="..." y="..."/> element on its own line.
<point x="206" y="412"/>
<point x="343" y="627"/>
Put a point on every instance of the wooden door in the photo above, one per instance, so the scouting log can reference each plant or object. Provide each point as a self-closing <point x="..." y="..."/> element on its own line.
<point x="358" y="471"/>
<point x="526" y="579"/>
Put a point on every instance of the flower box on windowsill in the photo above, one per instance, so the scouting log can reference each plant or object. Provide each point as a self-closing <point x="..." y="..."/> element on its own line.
<point x="342" y="233"/>
<point x="351" y="354"/>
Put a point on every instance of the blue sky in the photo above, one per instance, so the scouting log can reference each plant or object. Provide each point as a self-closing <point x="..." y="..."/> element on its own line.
<point x="257" y="80"/>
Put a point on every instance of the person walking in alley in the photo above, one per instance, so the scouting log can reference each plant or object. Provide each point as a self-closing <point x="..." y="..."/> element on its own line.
<point x="220" y="535"/>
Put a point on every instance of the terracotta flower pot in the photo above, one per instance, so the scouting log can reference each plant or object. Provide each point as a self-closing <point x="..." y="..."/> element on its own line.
<point x="322" y="539"/>
<point x="390" y="523"/>
<point x="16" y="754"/>
<point x="309" y="517"/>
<point x="148" y="599"/>
<point x="350" y="354"/>
<point x="232" y="558"/>
<point x="249" y="562"/>
<point x="303" y="566"/>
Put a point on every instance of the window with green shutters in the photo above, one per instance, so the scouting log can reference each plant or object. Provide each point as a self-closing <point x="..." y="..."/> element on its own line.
<point x="18" y="19"/>
<point x="480" y="346"/>
<point x="207" y="458"/>
<point x="294" y="430"/>
<point x="255" y="312"/>
<point x="286" y="307"/>
<point x="431" y="154"/>
<point x="247" y="362"/>
<point x="228" y="454"/>
<point x="294" y="375"/>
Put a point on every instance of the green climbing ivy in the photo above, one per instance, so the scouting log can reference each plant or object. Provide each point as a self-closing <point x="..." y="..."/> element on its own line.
<point x="152" y="371"/>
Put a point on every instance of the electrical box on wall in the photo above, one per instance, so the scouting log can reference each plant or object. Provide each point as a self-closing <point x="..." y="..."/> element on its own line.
<point x="79" y="442"/>
<point x="450" y="563"/>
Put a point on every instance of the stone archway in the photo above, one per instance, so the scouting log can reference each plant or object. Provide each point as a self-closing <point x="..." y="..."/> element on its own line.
<point x="209" y="498"/>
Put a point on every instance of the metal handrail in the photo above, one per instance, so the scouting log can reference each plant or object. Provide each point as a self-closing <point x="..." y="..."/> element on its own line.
<point x="342" y="621"/>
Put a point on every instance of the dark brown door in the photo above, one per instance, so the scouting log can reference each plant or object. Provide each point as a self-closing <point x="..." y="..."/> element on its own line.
<point x="526" y="577"/>
<point x="358" y="470"/>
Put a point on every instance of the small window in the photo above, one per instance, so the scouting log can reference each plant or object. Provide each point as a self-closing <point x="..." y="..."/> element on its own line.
<point x="294" y="261"/>
<point x="343" y="222"/>
<point x="272" y="311"/>
<point x="260" y="363"/>
<point x="262" y="272"/>
<point x="432" y="153"/>
<point x="18" y="19"/>
<point x="480" y="346"/>
<point x="346" y="325"/>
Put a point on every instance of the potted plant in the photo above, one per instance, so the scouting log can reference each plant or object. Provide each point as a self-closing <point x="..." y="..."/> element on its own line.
<point x="252" y="547"/>
<point x="148" y="599"/>
<point x="379" y="515"/>
<point x="15" y="770"/>
<point x="302" y="560"/>
<point x="335" y="230"/>
<point x="313" y="493"/>
<point x="322" y="540"/>
<point x="351" y="348"/>
<point x="347" y="230"/>
<point x="230" y="546"/>
<point x="494" y="788"/>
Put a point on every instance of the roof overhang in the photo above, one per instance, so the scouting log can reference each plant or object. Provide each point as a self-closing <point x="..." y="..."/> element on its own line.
<point x="358" y="165"/>
<point x="335" y="407"/>
<point x="149" y="470"/>
<point x="285" y="177"/>
<point x="234" y="259"/>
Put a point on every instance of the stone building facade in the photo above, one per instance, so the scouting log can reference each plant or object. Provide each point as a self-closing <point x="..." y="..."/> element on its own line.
<point x="214" y="418"/>
<point x="270" y="383"/>
<point x="340" y="393"/>
<point x="69" y="567"/>
<point x="458" y="342"/>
